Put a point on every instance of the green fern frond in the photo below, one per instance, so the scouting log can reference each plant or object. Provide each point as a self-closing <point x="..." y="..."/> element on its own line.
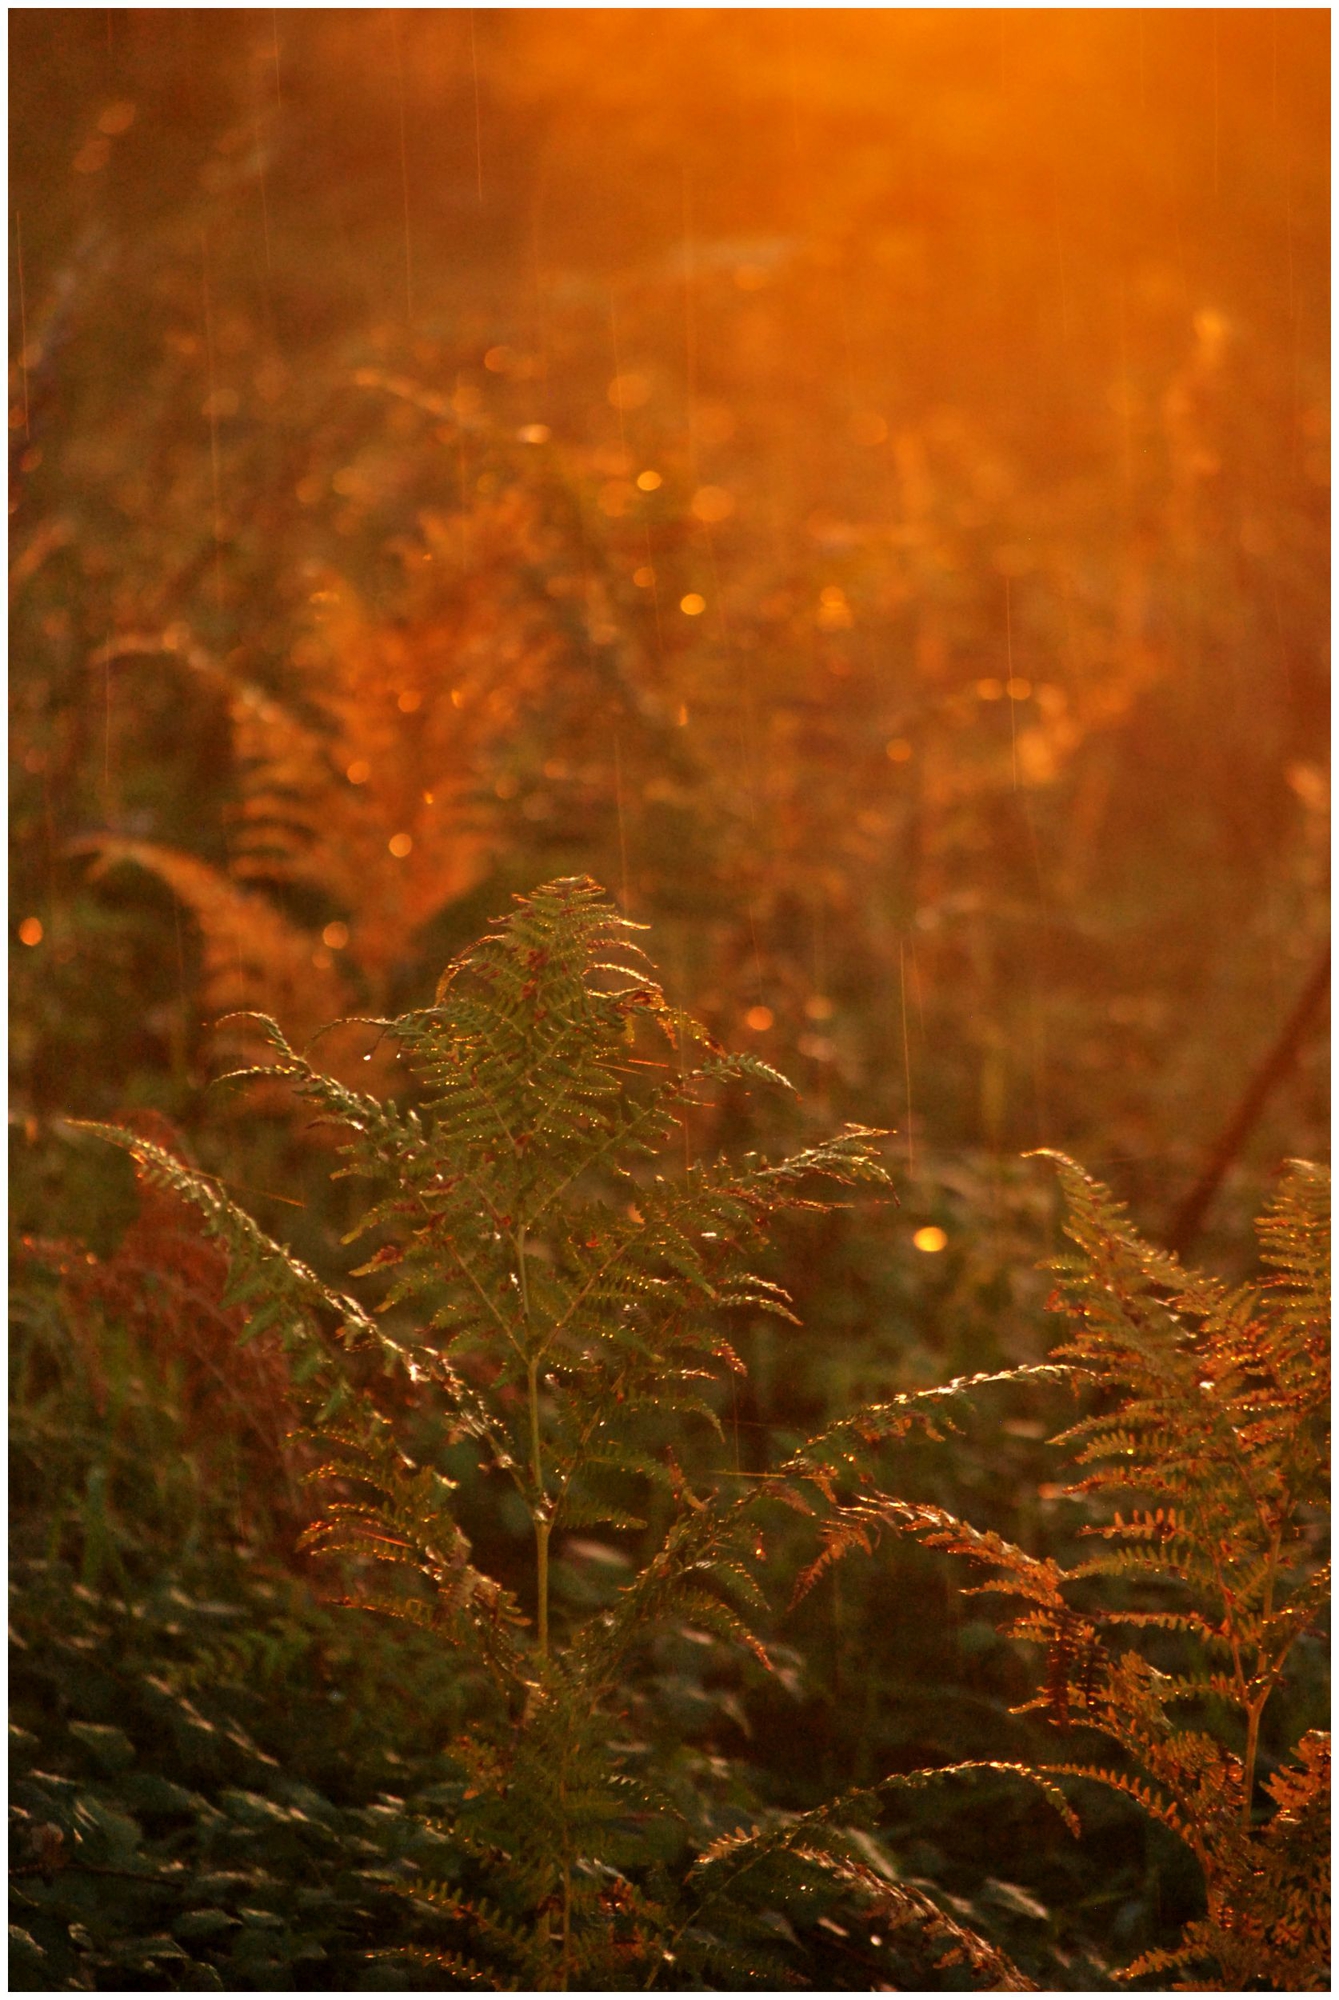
<point x="461" y="1971"/>
<point x="295" y="1297"/>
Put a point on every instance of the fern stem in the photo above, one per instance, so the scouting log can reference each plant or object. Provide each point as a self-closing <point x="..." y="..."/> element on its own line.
<point x="542" y="1584"/>
<point x="1253" y="1715"/>
<point x="542" y="1515"/>
<point x="565" y="1974"/>
<point x="540" y="1508"/>
<point x="1257" y="1708"/>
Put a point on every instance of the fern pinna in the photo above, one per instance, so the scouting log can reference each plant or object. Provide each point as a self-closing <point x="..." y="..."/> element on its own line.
<point x="553" y="1298"/>
<point x="1210" y="1426"/>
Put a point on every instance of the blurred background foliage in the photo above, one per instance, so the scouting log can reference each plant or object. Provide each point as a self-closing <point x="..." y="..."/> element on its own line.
<point x="856" y="483"/>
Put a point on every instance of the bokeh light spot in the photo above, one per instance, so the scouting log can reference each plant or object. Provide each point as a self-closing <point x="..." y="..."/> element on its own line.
<point x="692" y="606"/>
<point x="400" y="844"/>
<point x="92" y="158"/>
<point x="359" y="771"/>
<point x="899" y="750"/>
<point x="409" y="701"/>
<point x="335" y="935"/>
<point x="712" y="503"/>
<point x="760" y="1019"/>
<point x="629" y="392"/>
<point x="649" y="480"/>
<point x="31" y="931"/>
<point x="117" y="118"/>
<point x="834" y="613"/>
<point x="930" y="1238"/>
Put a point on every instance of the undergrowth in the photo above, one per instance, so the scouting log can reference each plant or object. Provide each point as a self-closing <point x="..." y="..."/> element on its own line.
<point x="537" y="1333"/>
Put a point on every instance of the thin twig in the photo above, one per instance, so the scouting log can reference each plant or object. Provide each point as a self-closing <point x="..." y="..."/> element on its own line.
<point x="1189" y="1218"/>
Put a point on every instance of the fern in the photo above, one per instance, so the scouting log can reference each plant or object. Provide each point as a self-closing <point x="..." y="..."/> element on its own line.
<point x="372" y="784"/>
<point x="536" y="1289"/>
<point x="1211" y="1427"/>
<point x="165" y="1285"/>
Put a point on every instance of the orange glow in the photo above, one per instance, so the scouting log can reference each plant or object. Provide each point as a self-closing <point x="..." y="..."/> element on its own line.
<point x="760" y="1019"/>
<point x="629" y="392"/>
<point x="931" y="1238"/>
<point x="117" y="118"/>
<point x="713" y="503"/>
<point x="957" y="379"/>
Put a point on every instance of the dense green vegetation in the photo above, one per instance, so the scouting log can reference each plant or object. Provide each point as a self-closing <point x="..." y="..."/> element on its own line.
<point x="855" y="486"/>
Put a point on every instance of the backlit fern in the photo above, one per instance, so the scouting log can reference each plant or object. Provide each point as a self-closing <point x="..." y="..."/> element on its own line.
<point x="1210" y="1426"/>
<point x="551" y="1311"/>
